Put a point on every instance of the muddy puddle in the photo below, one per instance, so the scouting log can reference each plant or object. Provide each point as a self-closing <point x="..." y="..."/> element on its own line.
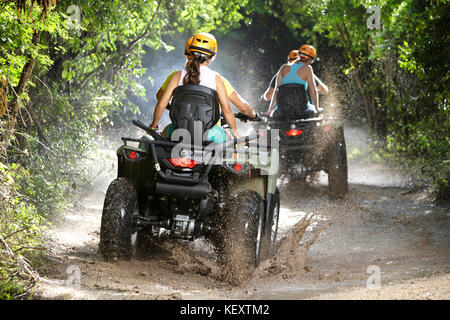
<point x="324" y="247"/>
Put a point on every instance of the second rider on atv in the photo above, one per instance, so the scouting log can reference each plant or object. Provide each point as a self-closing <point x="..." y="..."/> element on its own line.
<point x="310" y="141"/>
<point x="298" y="72"/>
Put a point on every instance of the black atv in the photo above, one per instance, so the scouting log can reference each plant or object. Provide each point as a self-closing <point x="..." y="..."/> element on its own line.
<point x="309" y="142"/>
<point x="192" y="188"/>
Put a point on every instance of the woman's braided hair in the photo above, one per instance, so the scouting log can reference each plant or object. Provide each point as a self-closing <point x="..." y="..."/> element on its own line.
<point x="193" y="68"/>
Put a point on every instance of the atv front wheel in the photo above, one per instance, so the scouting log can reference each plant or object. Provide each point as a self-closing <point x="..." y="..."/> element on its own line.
<point x="337" y="167"/>
<point x="240" y="235"/>
<point x="117" y="237"/>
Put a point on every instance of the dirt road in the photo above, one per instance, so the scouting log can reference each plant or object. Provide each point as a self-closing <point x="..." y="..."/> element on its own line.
<point x="383" y="241"/>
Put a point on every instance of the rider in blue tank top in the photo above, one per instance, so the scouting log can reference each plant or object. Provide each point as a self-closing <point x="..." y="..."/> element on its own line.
<point x="307" y="54"/>
<point x="292" y="77"/>
<point x="293" y="57"/>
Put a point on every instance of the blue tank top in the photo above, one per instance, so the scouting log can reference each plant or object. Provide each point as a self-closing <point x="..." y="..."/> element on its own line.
<point x="292" y="76"/>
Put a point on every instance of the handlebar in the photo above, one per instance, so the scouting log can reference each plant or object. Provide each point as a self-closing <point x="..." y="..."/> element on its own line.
<point x="156" y="135"/>
<point x="244" y="118"/>
<point x="241" y="116"/>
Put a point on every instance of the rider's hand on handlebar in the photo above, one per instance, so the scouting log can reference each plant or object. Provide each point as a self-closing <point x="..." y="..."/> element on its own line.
<point x="257" y="117"/>
<point x="244" y="118"/>
<point x="241" y="116"/>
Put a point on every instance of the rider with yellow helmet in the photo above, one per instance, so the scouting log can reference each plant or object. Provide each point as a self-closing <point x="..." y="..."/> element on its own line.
<point x="232" y="94"/>
<point x="201" y="51"/>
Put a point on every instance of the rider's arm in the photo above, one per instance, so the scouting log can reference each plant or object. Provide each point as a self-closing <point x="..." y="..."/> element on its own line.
<point x="163" y="87"/>
<point x="226" y="108"/>
<point x="242" y="104"/>
<point x="162" y="104"/>
<point x="322" y="88"/>
<point x="270" y="90"/>
<point x="274" y="96"/>
<point x="312" y="86"/>
<point x="268" y="94"/>
<point x="159" y="94"/>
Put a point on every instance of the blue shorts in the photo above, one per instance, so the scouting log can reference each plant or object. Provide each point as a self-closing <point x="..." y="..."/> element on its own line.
<point x="215" y="134"/>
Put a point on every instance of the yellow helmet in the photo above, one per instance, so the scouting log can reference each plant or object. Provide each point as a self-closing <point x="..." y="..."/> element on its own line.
<point x="307" y="52"/>
<point x="293" y="55"/>
<point x="204" y="43"/>
<point x="187" y="51"/>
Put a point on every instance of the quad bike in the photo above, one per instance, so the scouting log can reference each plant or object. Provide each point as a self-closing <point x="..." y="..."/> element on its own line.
<point x="192" y="188"/>
<point x="309" y="142"/>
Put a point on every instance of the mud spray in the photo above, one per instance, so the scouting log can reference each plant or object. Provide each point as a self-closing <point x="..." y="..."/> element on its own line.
<point x="290" y="255"/>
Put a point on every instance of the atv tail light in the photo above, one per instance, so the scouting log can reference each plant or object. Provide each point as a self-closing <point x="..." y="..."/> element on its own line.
<point x="132" y="155"/>
<point x="237" y="167"/>
<point x="326" y="128"/>
<point x="183" y="162"/>
<point x="294" y="132"/>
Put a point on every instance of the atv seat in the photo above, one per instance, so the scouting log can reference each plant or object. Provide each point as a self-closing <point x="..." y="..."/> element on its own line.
<point x="292" y="100"/>
<point x="194" y="108"/>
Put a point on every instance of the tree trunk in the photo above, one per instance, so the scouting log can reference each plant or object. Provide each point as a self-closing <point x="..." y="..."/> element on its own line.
<point x="18" y="91"/>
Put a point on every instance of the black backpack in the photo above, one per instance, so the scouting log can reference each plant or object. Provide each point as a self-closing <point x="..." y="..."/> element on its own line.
<point x="292" y="100"/>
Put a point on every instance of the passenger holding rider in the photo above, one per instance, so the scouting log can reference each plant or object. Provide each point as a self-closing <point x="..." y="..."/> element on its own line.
<point x="300" y="72"/>
<point x="203" y="49"/>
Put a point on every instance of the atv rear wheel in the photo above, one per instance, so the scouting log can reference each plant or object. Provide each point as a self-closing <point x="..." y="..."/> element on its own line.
<point x="337" y="167"/>
<point x="117" y="236"/>
<point x="240" y="233"/>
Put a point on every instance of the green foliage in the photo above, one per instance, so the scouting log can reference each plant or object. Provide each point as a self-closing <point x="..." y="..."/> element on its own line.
<point x="16" y="39"/>
<point x="418" y="117"/>
<point x="20" y="232"/>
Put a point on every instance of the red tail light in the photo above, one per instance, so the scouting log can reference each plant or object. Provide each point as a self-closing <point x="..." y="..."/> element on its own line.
<point x="183" y="163"/>
<point x="326" y="128"/>
<point x="132" y="155"/>
<point x="294" y="132"/>
<point x="237" y="167"/>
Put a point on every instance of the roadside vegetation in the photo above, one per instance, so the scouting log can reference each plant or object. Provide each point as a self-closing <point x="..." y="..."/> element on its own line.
<point x="71" y="69"/>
